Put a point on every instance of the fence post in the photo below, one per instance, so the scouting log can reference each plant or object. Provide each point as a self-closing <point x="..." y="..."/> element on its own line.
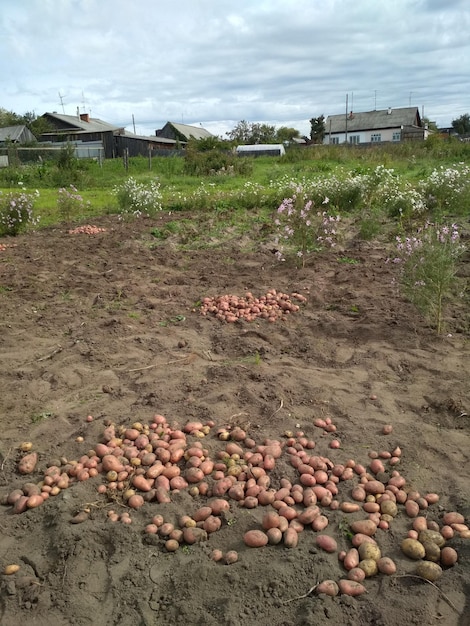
<point x="125" y="158"/>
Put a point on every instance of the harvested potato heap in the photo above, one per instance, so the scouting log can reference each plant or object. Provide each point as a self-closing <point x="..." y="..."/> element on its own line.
<point x="142" y="466"/>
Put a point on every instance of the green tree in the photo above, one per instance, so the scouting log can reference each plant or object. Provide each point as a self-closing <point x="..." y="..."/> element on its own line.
<point x="8" y="118"/>
<point x="285" y="134"/>
<point x="462" y="124"/>
<point x="241" y="133"/>
<point x="248" y="133"/>
<point x="317" y="129"/>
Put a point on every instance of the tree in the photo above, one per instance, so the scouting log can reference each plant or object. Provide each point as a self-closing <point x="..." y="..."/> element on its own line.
<point x="431" y="125"/>
<point x="462" y="124"/>
<point x="249" y="133"/>
<point x="285" y="134"/>
<point x="317" y="129"/>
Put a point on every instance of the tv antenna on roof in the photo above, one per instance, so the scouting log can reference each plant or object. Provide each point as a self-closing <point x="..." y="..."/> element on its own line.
<point x="62" y="102"/>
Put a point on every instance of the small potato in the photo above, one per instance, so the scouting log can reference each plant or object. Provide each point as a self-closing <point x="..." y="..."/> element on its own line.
<point x="8" y="570"/>
<point x="432" y="535"/>
<point x="255" y="538"/>
<point x="369" y="567"/>
<point x="320" y="523"/>
<point x="449" y="556"/>
<point x="351" y="560"/>
<point x="432" y="550"/>
<point x="364" y="527"/>
<point x="171" y="545"/>
<point x="386" y="566"/>
<point x="28" y="463"/>
<point x="194" y="535"/>
<point x="327" y="587"/>
<point x="216" y="555"/>
<point x="327" y="543"/>
<point x="413" y="549"/>
<point x="369" y="551"/>
<point x="357" y="574"/>
<point x="25" y="446"/>
<point x="274" y="536"/>
<point x="80" y="517"/>
<point x="388" y="507"/>
<point x="429" y="570"/>
<point x="351" y="588"/>
<point x="291" y="538"/>
<point x="231" y="557"/>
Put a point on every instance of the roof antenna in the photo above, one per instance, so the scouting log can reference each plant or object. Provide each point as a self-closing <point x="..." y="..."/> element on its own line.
<point x="62" y="102"/>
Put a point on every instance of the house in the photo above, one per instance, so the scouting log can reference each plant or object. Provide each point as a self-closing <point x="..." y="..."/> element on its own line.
<point x="94" y="138"/>
<point x="403" y="124"/>
<point x="182" y="132"/>
<point x="16" y="134"/>
<point x="261" y="149"/>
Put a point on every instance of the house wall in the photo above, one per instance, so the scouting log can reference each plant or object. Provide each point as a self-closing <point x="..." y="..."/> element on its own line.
<point x="386" y="134"/>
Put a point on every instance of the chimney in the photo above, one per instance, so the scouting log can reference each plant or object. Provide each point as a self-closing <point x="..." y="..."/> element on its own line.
<point x="85" y="117"/>
<point x="389" y="112"/>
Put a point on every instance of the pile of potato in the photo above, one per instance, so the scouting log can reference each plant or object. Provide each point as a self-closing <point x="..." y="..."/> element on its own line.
<point x="272" y="306"/>
<point x="145" y="464"/>
<point x="87" y="229"/>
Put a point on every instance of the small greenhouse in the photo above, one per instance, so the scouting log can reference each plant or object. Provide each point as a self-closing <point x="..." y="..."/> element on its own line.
<point x="261" y="149"/>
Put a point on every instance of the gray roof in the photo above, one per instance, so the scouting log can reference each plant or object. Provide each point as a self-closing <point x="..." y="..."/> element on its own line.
<point x="197" y="132"/>
<point x="16" y="133"/>
<point x="373" y="120"/>
<point x="94" y="125"/>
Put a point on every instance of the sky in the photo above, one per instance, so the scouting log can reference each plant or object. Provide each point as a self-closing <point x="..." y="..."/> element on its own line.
<point x="214" y="63"/>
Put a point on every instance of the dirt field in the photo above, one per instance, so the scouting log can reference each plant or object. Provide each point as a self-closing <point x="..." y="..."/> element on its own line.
<point x="106" y="325"/>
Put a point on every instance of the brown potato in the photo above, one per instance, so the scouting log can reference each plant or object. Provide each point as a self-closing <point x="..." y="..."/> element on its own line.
<point x="429" y="570"/>
<point x="413" y="549"/>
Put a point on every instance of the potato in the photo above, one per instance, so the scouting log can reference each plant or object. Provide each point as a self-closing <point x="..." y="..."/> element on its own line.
<point x="351" y="560"/>
<point x="291" y="538"/>
<point x="374" y="487"/>
<point x="194" y="535"/>
<point x="327" y="543"/>
<point x="80" y="517"/>
<point x="385" y="565"/>
<point x="413" y="549"/>
<point x="8" y="570"/>
<point x="432" y="535"/>
<point x="453" y="518"/>
<point x="320" y="523"/>
<point x="274" y="536"/>
<point x="369" y="567"/>
<point x="351" y="588"/>
<point x="212" y="524"/>
<point x="432" y="551"/>
<point x="255" y="538"/>
<point x="328" y="587"/>
<point x="28" y="463"/>
<point x="429" y="570"/>
<point x="359" y="539"/>
<point x="369" y="551"/>
<point x="231" y="557"/>
<point x="218" y="505"/>
<point x="357" y="574"/>
<point x="364" y="527"/>
<point x="449" y="556"/>
<point x="388" y="507"/>
<point x="171" y="545"/>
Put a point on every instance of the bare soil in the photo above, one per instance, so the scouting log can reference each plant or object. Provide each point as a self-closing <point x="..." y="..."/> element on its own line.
<point x="108" y="326"/>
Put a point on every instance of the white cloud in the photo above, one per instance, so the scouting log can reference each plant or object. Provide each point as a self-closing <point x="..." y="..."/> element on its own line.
<point x="220" y="61"/>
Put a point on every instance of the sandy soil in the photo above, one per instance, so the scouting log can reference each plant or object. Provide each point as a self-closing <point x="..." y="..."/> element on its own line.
<point x="106" y="326"/>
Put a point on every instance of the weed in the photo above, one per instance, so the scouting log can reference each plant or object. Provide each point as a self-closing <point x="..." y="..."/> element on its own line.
<point x="39" y="417"/>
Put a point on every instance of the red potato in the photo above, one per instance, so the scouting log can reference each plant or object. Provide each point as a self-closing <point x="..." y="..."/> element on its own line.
<point x="358" y="493"/>
<point x="291" y="538"/>
<point x="356" y="574"/>
<point x="28" y="463"/>
<point x="111" y="463"/>
<point x="309" y="514"/>
<point x="270" y="520"/>
<point x="320" y="523"/>
<point x="386" y="566"/>
<point x="135" y="501"/>
<point x="453" y="517"/>
<point x="351" y="587"/>
<point x="141" y="483"/>
<point x="360" y="538"/>
<point x="449" y="556"/>
<point x="34" y="501"/>
<point x="412" y="508"/>
<point x="327" y="587"/>
<point x="256" y="538"/>
<point x="349" y="507"/>
<point x="327" y="543"/>
<point x="351" y="560"/>
<point x="374" y="487"/>
<point x="212" y="524"/>
<point x="194" y="535"/>
<point x="364" y="527"/>
<point x="218" y="506"/>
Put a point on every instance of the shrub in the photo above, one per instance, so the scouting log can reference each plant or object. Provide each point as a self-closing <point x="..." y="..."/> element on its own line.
<point x="138" y="199"/>
<point x="428" y="263"/>
<point x="70" y="202"/>
<point x="16" y="212"/>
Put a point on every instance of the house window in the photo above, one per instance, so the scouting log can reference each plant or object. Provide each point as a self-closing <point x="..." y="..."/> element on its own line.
<point x="396" y="135"/>
<point x="376" y="137"/>
<point x="354" y="138"/>
<point x="334" y="140"/>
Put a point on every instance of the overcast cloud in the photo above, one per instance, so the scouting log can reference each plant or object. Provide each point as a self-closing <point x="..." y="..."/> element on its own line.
<point x="215" y="62"/>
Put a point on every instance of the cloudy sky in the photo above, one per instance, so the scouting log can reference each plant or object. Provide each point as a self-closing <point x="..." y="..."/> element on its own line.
<point x="216" y="62"/>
